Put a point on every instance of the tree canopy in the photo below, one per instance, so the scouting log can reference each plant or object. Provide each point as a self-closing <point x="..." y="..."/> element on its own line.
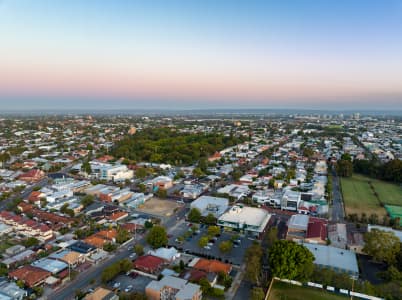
<point x="157" y="237"/>
<point x="382" y="245"/>
<point x="289" y="260"/>
<point x="344" y="168"/>
<point x="194" y="215"/>
<point x="165" y="145"/>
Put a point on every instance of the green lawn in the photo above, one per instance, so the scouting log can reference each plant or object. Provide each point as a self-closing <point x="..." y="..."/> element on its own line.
<point x="285" y="291"/>
<point x="5" y="244"/>
<point x="359" y="197"/>
<point x="388" y="193"/>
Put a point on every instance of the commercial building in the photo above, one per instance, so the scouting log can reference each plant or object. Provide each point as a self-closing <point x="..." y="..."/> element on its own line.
<point x="290" y="200"/>
<point x="339" y="260"/>
<point x="245" y="219"/>
<point x="211" y="205"/>
<point x="116" y="173"/>
<point x="308" y="229"/>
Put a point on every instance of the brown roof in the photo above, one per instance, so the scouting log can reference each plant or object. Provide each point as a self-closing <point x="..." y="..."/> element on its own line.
<point x="100" y="293"/>
<point x="96" y="241"/>
<point x="117" y="215"/>
<point x="214" y="266"/>
<point x="30" y="275"/>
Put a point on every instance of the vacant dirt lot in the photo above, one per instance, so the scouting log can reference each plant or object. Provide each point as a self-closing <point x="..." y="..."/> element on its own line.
<point x="159" y="207"/>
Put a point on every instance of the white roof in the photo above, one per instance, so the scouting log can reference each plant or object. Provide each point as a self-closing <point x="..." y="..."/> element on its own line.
<point x="248" y="215"/>
<point x="165" y="253"/>
<point x="208" y="204"/>
<point x="299" y="222"/>
<point x="332" y="257"/>
<point x="50" y="265"/>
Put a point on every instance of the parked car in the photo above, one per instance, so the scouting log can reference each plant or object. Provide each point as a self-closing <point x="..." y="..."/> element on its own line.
<point x="128" y="288"/>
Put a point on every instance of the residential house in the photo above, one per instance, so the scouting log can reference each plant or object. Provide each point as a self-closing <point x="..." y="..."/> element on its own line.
<point x="174" y="288"/>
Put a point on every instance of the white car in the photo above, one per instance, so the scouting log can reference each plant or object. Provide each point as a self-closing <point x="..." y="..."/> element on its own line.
<point x="116" y="285"/>
<point x="128" y="288"/>
<point x="207" y="247"/>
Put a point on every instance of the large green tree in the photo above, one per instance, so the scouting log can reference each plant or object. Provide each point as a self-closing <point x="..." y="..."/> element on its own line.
<point x="203" y="241"/>
<point x="194" y="215"/>
<point x="157" y="237"/>
<point x="253" y="261"/>
<point x="344" y="168"/>
<point x="382" y="245"/>
<point x="225" y="246"/>
<point x="289" y="260"/>
<point x="257" y="293"/>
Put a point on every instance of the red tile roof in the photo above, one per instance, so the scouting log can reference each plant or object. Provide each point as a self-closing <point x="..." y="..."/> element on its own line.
<point x="317" y="228"/>
<point x="148" y="263"/>
<point x="214" y="266"/>
<point x="30" y="275"/>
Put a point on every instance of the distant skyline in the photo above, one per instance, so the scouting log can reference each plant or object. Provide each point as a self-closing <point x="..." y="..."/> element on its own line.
<point x="311" y="54"/>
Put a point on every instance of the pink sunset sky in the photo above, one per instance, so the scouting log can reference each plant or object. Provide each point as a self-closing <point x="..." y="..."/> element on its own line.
<point x="195" y="56"/>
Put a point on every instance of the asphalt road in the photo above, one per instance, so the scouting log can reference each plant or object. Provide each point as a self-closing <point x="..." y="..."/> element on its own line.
<point x="24" y="194"/>
<point x="337" y="211"/>
<point x="82" y="281"/>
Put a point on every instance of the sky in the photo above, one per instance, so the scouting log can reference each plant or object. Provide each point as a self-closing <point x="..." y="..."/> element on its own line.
<point x="200" y="54"/>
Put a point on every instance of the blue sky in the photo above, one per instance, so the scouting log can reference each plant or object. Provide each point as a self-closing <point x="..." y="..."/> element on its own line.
<point x="200" y="54"/>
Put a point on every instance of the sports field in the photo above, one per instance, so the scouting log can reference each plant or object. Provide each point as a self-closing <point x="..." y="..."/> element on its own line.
<point x="359" y="197"/>
<point x="282" y="291"/>
<point x="388" y="193"/>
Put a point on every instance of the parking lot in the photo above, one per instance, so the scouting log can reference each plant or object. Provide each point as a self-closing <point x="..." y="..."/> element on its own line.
<point x="190" y="245"/>
<point x="137" y="284"/>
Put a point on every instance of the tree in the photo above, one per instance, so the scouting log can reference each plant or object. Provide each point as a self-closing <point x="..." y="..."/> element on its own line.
<point x="236" y="174"/>
<point x="142" y="187"/>
<point x="257" y="293"/>
<point x="197" y="172"/>
<point x="308" y="152"/>
<point x="194" y="215"/>
<point x="225" y="279"/>
<point x="253" y="259"/>
<point x="157" y="237"/>
<point x="115" y="269"/>
<point x="87" y="200"/>
<point x="213" y="230"/>
<point x="210" y="219"/>
<point x="289" y="260"/>
<point x="86" y="167"/>
<point x="271" y="236"/>
<point x="141" y="173"/>
<point x="225" y="246"/>
<point x="122" y="235"/>
<point x="344" y="168"/>
<point x="203" y="241"/>
<point x="139" y="249"/>
<point x="161" y="193"/>
<point x="382" y="245"/>
<point x="30" y="242"/>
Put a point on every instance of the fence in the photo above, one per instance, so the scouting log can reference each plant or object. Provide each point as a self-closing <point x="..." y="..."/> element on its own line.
<point x="320" y="286"/>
